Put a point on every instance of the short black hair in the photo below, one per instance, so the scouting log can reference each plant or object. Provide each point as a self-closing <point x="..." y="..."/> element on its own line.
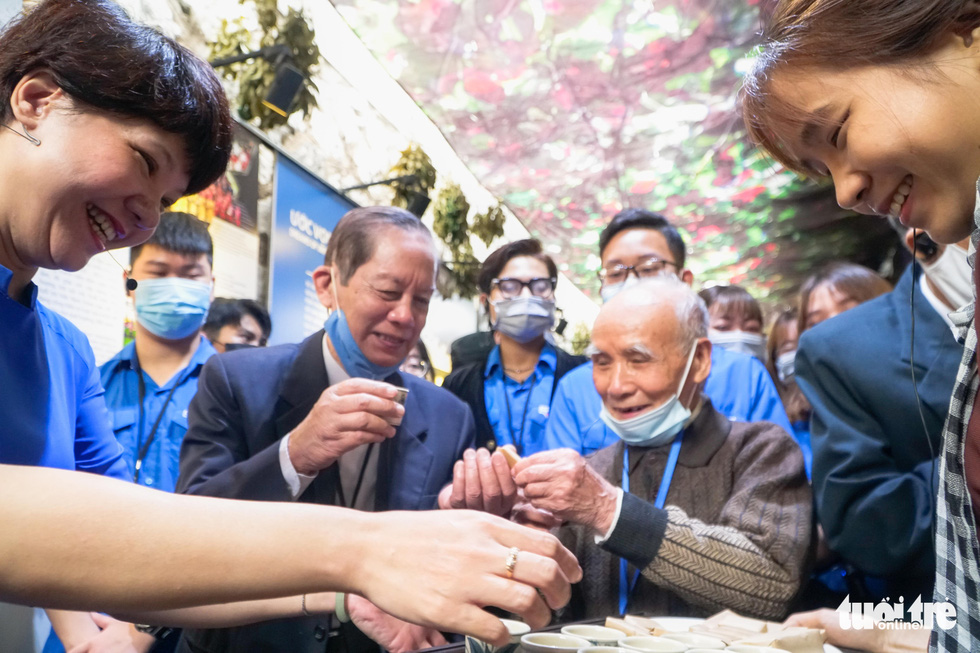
<point x="105" y="61"/>
<point x="643" y="219"/>
<point x="225" y="311"/>
<point x="181" y="233"/>
<point x="498" y="258"/>
<point x="354" y="239"/>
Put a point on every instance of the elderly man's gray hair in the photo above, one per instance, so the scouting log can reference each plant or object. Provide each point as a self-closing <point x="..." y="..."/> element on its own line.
<point x="692" y="313"/>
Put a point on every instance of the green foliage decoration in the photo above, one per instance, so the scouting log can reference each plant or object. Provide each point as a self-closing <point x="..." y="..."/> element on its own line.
<point x="412" y="162"/>
<point x="254" y="76"/>
<point x="581" y="338"/>
<point x="489" y="225"/>
<point x="450" y="224"/>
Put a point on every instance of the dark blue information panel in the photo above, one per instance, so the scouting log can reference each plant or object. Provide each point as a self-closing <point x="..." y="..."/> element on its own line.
<point x="305" y="213"/>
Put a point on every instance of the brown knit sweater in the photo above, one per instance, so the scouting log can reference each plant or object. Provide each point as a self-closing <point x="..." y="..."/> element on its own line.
<point x="735" y="531"/>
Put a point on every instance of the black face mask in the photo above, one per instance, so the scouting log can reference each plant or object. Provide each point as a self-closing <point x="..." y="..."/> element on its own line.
<point x="232" y="346"/>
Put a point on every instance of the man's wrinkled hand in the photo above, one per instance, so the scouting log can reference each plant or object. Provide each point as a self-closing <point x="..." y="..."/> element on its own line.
<point x="346" y="416"/>
<point x="392" y="634"/>
<point x="562" y="483"/>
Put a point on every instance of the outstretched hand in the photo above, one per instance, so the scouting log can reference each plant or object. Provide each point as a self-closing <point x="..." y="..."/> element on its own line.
<point x="442" y="568"/>
<point x="481" y="481"/>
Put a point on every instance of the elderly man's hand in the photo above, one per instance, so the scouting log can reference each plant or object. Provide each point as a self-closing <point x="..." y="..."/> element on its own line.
<point x="347" y="415"/>
<point x="393" y="634"/>
<point x="481" y="481"/>
<point x="562" y="483"/>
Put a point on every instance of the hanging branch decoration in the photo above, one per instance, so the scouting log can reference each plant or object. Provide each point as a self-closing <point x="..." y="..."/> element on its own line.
<point x="489" y="225"/>
<point x="581" y="338"/>
<point x="451" y="226"/>
<point x="413" y="162"/>
<point x="253" y="77"/>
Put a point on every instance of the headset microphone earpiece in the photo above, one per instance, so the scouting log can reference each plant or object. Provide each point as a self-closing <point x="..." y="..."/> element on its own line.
<point x="130" y="283"/>
<point x="915" y="383"/>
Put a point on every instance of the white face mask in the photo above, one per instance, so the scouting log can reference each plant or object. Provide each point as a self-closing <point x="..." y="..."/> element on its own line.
<point x="786" y="367"/>
<point x="607" y="292"/>
<point x="753" y="344"/>
<point x="658" y="426"/>
<point x="952" y="275"/>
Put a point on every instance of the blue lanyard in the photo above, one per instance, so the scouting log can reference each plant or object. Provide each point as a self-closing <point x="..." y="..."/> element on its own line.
<point x="625" y="587"/>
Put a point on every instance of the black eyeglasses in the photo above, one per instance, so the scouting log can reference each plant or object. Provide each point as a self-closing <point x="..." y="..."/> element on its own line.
<point x="649" y="267"/>
<point x="511" y="288"/>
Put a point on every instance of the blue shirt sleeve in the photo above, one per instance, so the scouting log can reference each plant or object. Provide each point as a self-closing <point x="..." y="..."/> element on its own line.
<point x="70" y="354"/>
<point x="740" y="388"/>
<point x="562" y="430"/>
<point x="574" y="421"/>
<point x="96" y="447"/>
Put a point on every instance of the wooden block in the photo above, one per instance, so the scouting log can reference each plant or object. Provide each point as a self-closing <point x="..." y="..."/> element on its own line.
<point x="510" y="456"/>
<point x="625" y="627"/>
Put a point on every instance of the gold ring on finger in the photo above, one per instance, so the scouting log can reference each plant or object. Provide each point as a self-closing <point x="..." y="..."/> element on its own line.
<point x="511" y="561"/>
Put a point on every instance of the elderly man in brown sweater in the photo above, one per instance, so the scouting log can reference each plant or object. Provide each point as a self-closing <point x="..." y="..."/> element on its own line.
<point x="712" y="514"/>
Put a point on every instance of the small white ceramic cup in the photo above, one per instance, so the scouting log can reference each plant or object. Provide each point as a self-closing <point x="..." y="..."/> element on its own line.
<point x="515" y="628"/>
<point x="553" y="643"/>
<point x="604" y="649"/>
<point x="694" y="640"/>
<point x="598" y="635"/>
<point x="652" y="644"/>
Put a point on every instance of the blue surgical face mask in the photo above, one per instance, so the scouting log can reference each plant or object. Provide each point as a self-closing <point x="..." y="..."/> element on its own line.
<point x="657" y="427"/>
<point x="172" y="308"/>
<point x="524" y="318"/>
<point x="349" y="353"/>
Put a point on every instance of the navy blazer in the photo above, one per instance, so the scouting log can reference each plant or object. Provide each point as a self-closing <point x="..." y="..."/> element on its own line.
<point x="248" y="400"/>
<point x="872" y="463"/>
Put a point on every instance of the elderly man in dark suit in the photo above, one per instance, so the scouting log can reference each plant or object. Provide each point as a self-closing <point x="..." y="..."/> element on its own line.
<point x="319" y="421"/>
<point x="875" y="434"/>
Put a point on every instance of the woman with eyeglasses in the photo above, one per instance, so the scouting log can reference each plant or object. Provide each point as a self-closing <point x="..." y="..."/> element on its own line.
<point x="417" y="363"/>
<point x="510" y="391"/>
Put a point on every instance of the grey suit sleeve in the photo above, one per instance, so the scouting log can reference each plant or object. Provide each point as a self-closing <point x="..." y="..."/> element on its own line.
<point x="215" y="459"/>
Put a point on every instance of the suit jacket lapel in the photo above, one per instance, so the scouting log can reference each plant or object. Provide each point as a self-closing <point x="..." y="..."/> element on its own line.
<point x="305" y="382"/>
<point x="404" y="463"/>
<point x="933" y="342"/>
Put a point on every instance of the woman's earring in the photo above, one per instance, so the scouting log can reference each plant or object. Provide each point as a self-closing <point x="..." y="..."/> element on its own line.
<point x="25" y="134"/>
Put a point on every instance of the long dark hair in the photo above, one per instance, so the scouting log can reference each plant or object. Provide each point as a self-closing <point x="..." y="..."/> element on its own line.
<point x="104" y="60"/>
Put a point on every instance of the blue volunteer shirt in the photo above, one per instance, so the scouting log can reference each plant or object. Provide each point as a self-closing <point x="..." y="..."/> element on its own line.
<point x="161" y="462"/>
<point x="738" y="386"/>
<point x="529" y="402"/>
<point x="52" y="410"/>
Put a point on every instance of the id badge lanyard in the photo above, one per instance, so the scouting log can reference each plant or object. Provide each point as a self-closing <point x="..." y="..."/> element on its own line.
<point x="626" y="586"/>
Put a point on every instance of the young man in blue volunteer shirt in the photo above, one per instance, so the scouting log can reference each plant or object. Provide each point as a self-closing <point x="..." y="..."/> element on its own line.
<point x="150" y="383"/>
<point x="638" y="244"/>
